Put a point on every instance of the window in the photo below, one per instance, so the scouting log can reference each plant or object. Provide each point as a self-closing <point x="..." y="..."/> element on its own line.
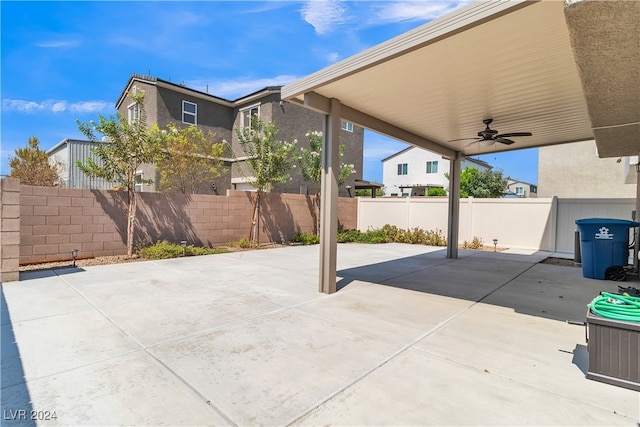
<point x="520" y="191"/>
<point x="133" y="113"/>
<point x="347" y="126"/>
<point x="139" y="181"/>
<point x="432" y="167"/>
<point x="402" y="168"/>
<point x="247" y="114"/>
<point x="189" y="113"/>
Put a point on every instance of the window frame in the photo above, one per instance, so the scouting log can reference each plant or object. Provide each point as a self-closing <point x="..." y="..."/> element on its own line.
<point x="138" y="183"/>
<point x="248" y="109"/>
<point x="189" y="113"/>
<point x="519" y="190"/>
<point x="346" y="126"/>
<point x="133" y="112"/>
<point x="432" y="167"/>
<point x="403" y="168"/>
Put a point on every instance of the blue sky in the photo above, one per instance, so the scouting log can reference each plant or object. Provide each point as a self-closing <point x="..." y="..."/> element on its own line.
<point x="62" y="61"/>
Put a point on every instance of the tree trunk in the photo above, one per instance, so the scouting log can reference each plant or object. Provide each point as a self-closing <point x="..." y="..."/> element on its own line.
<point x="254" y="218"/>
<point x="131" y="217"/>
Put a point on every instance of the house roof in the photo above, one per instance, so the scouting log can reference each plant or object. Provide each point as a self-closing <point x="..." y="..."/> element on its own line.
<point x="194" y="92"/>
<point x="565" y="71"/>
<point x="511" y="181"/>
<point x="469" y="159"/>
<point x="362" y="184"/>
<point x="68" y="141"/>
<point x="398" y="153"/>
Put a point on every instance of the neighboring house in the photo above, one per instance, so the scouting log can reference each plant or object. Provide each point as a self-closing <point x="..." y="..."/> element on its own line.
<point x="166" y="102"/>
<point x="65" y="155"/>
<point x="521" y="189"/>
<point x="575" y="171"/>
<point x="414" y="170"/>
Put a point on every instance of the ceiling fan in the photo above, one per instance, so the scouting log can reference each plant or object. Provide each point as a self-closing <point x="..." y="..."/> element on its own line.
<point x="488" y="136"/>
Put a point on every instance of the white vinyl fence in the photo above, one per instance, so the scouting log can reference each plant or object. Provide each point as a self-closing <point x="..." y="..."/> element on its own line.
<point x="539" y="224"/>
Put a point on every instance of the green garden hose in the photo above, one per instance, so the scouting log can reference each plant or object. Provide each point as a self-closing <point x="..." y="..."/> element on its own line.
<point x="618" y="307"/>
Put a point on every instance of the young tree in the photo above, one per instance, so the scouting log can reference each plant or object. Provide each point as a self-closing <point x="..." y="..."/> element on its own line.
<point x="188" y="158"/>
<point x="310" y="162"/>
<point x="482" y="184"/>
<point x="366" y="192"/>
<point x="31" y="166"/>
<point x="268" y="162"/>
<point x="128" y="146"/>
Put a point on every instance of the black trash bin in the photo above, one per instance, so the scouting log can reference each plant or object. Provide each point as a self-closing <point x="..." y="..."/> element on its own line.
<point x="604" y="246"/>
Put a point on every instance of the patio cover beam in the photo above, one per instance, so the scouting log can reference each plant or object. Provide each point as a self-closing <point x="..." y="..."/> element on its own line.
<point x="329" y="199"/>
<point x="321" y="104"/>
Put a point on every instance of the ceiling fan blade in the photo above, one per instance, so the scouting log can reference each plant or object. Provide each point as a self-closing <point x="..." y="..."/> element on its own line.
<point x="464" y="139"/>
<point x="504" y="141"/>
<point x="472" y="142"/>
<point x="509" y="135"/>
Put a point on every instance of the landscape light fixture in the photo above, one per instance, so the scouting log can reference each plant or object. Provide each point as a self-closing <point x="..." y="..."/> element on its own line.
<point x="74" y="254"/>
<point x="184" y="247"/>
<point x="495" y="245"/>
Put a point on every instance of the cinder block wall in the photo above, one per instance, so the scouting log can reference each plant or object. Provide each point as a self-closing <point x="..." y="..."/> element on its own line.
<point x="9" y="229"/>
<point x="54" y="221"/>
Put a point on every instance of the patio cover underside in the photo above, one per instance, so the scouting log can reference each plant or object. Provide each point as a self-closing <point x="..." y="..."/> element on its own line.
<point x="565" y="72"/>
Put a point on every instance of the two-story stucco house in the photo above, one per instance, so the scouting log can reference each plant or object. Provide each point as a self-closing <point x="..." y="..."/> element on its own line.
<point x="166" y="102"/>
<point x="522" y="189"/>
<point x="413" y="171"/>
<point x="575" y="171"/>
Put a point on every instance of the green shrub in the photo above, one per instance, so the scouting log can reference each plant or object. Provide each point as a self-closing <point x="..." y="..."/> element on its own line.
<point x="436" y="191"/>
<point x="306" y="238"/>
<point x="348" y="236"/>
<point x="476" y="243"/>
<point x="165" y="250"/>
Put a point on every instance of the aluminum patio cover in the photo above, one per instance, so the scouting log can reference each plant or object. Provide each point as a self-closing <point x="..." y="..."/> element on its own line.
<point x="565" y="71"/>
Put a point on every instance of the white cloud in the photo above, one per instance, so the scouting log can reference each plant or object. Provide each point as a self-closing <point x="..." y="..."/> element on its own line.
<point x="55" y="106"/>
<point x="237" y="88"/>
<point x="57" y="44"/>
<point x="332" y="57"/>
<point x="323" y="15"/>
<point x="416" y="10"/>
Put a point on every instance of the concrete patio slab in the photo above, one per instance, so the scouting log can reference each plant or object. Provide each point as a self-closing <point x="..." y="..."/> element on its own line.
<point x="390" y="313"/>
<point x="158" y="319"/>
<point x="246" y="339"/>
<point x="412" y="390"/>
<point x="267" y="372"/>
<point x="133" y="389"/>
<point x="541" y="353"/>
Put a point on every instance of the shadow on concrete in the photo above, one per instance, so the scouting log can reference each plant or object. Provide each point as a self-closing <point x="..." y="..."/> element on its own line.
<point x="48" y="272"/>
<point x="581" y="358"/>
<point x="507" y="280"/>
<point x="15" y="400"/>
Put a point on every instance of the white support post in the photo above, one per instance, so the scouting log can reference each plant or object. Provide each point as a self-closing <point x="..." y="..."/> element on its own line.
<point x="329" y="199"/>
<point x="454" y="206"/>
